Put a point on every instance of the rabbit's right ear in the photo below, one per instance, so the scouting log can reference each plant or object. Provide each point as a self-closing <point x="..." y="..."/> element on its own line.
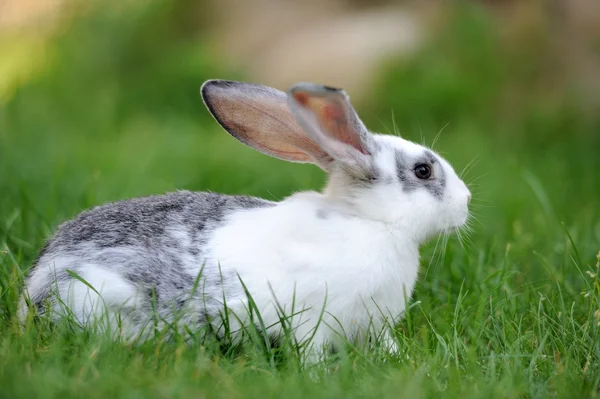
<point x="259" y="117"/>
<point x="328" y="117"/>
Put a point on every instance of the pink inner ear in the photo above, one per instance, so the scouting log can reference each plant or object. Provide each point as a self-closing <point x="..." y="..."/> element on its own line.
<point x="336" y="123"/>
<point x="332" y="112"/>
<point x="302" y="98"/>
<point x="332" y="117"/>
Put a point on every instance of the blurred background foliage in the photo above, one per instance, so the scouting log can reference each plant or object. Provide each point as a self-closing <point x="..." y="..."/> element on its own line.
<point x="101" y="101"/>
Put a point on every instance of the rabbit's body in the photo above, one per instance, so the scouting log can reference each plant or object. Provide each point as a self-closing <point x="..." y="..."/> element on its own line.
<point x="187" y="252"/>
<point x="341" y="262"/>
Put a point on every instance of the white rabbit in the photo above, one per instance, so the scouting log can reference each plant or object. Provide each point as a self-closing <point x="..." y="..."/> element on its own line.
<point x="341" y="261"/>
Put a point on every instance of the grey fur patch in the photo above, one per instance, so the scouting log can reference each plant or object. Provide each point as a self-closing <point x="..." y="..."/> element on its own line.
<point x="405" y="168"/>
<point x="368" y="176"/>
<point x="149" y="241"/>
<point x="322" y="214"/>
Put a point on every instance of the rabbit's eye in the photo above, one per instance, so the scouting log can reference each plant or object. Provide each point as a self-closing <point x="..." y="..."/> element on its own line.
<point x="423" y="171"/>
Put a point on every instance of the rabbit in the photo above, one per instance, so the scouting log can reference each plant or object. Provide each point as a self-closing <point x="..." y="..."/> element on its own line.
<point x="341" y="263"/>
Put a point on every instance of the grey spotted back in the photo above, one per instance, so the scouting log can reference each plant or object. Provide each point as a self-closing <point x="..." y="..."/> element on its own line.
<point x="152" y="242"/>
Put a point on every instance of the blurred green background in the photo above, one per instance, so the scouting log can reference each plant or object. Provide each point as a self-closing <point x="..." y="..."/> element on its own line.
<point x="104" y="104"/>
<point x="101" y="102"/>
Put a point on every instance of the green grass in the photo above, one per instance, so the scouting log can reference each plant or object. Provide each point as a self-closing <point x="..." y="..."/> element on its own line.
<point x="511" y="311"/>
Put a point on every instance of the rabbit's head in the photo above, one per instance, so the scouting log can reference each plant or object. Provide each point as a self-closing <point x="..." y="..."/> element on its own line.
<point x="381" y="177"/>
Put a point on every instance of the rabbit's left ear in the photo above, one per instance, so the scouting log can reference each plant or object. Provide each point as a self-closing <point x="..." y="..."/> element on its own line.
<point x="328" y="118"/>
<point x="259" y="117"/>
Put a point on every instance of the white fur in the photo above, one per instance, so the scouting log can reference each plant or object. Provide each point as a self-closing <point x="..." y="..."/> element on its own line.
<point x="95" y="300"/>
<point x="348" y="264"/>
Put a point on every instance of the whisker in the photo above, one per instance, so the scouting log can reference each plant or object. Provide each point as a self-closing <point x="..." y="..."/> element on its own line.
<point x="465" y="235"/>
<point x="444" y="248"/>
<point x="432" y="256"/>
<point x="441" y="259"/>
<point x="470" y="246"/>
<point x="477" y="206"/>
<point x="479" y="178"/>
<point x="480" y="201"/>
<point x="474" y="220"/>
<point x="388" y="131"/>
<point x="474" y="211"/>
<point x="459" y="236"/>
<point x="474" y="161"/>
<point x="437" y="136"/>
<point x="394" y="126"/>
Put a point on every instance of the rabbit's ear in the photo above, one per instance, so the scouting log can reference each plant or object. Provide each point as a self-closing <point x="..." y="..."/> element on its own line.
<point x="327" y="116"/>
<point x="259" y="117"/>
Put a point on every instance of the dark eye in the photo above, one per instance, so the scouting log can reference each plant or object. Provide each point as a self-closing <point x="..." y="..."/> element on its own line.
<point x="423" y="171"/>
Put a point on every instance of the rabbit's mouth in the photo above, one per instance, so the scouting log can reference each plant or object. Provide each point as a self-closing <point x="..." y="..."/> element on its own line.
<point x="457" y="222"/>
<point x="454" y="228"/>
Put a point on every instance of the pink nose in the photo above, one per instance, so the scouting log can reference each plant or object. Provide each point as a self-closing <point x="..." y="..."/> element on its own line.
<point x="468" y="198"/>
